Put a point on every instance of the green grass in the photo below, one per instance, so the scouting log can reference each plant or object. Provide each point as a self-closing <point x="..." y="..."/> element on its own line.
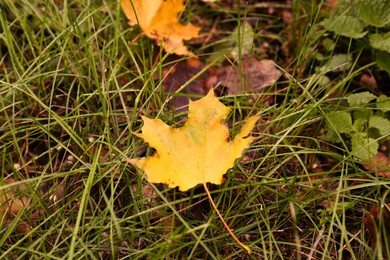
<point x="72" y="89"/>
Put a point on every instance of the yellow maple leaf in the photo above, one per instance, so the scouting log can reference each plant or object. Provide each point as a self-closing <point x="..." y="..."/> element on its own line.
<point x="197" y="153"/>
<point x="158" y="19"/>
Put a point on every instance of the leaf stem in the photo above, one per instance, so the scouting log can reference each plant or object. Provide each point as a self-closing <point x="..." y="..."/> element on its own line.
<point x="249" y="251"/>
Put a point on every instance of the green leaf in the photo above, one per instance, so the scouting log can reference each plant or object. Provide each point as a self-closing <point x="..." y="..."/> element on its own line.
<point x="380" y="123"/>
<point x="383" y="61"/>
<point x="323" y="80"/>
<point x="383" y="103"/>
<point x="375" y="12"/>
<point x="332" y="136"/>
<point x="363" y="147"/>
<point x="360" y="99"/>
<point x="340" y="121"/>
<point x="338" y="63"/>
<point x="359" y="125"/>
<point x="363" y="114"/>
<point x="244" y="36"/>
<point x="380" y="41"/>
<point x="345" y="25"/>
<point x="241" y="37"/>
<point x="328" y="44"/>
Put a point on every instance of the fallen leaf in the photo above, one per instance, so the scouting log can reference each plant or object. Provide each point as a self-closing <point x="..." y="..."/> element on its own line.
<point x="196" y="153"/>
<point x="377" y="223"/>
<point x="187" y="72"/>
<point x="380" y="164"/>
<point x="368" y="80"/>
<point x="238" y="43"/>
<point x="159" y="20"/>
<point x="253" y="76"/>
<point x="16" y="197"/>
<point x="10" y="199"/>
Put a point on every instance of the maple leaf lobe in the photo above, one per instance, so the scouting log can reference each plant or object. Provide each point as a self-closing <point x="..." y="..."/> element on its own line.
<point x="159" y="20"/>
<point x="196" y="153"/>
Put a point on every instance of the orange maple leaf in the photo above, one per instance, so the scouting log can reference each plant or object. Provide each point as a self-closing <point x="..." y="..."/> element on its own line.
<point x="197" y="153"/>
<point x="158" y="19"/>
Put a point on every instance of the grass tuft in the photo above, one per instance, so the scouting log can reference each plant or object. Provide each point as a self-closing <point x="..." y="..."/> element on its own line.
<point x="73" y="86"/>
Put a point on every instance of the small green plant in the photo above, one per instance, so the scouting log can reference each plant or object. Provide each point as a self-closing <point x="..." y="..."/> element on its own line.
<point x="366" y="20"/>
<point x="364" y="124"/>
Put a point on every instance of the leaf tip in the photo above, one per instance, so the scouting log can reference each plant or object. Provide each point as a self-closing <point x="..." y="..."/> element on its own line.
<point x="248" y="127"/>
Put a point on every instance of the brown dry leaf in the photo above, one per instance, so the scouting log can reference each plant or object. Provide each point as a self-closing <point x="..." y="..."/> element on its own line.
<point x="197" y="153"/>
<point x="159" y="20"/>
<point x="372" y="223"/>
<point x="11" y="203"/>
<point x="15" y="198"/>
<point x="332" y="4"/>
<point x="183" y="72"/>
<point x="380" y="164"/>
<point x="253" y="77"/>
<point x="368" y="80"/>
